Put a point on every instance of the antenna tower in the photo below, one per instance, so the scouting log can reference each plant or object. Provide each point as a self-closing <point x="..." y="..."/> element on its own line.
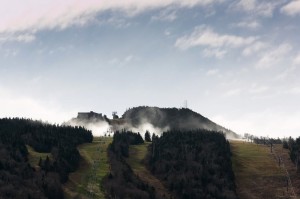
<point x="185" y="104"/>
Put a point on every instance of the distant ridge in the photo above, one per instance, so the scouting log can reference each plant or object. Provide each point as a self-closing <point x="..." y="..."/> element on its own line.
<point x="160" y="119"/>
<point x="173" y="118"/>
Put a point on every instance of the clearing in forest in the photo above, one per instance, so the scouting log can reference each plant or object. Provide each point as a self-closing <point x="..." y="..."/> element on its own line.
<point x="137" y="154"/>
<point x="34" y="157"/>
<point x="257" y="173"/>
<point x="87" y="180"/>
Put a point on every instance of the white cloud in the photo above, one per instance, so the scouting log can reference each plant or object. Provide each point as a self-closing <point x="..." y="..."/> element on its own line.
<point x="292" y="8"/>
<point x="264" y="8"/>
<point x="19" y="37"/>
<point x="247" y="5"/>
<point x="274" y="56"/>
<point x="218" y="45"/>
<point x="10" y="52"/>
<point x="252" y="25"/>
<point x="254" y="48"/>
<point x="165" y="15"/>
<point x="129" y="58"/>
<point x="167" y="33"/>
<point x="286" y="73"/>
<point x="35" y="15"/>
<point x="212" y="72"/>
<point x="290" y="70"/>
<point x="294" y="90"/>
<point x="262" y="123"/>
<point x="296" y="60"/>
<point x="205" y="36"/>
<point x="214" y="52"/>
<point x="122" y="61"/>
<point x="115" y="21"/>
<point x="14" y="105"/>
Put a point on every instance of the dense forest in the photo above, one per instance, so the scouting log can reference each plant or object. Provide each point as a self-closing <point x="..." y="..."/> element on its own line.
<point x="171" y="118"/>
<point x="121" y="181"/>
<point x="294" y="147"/>
<point x="193" y="164"/>
<point x="18" y="179"/>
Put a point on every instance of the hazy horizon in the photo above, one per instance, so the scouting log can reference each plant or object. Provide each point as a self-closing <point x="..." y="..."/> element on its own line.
<point x="236" y="62"/>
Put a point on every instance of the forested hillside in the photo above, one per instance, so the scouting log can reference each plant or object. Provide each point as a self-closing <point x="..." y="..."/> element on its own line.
<point x="18" y="179"/>
<point x="294" y="147"/>
<point x="193" y="164"/>
<point x="121" y="181"/>
<point x="171" y="118"/>
<point x="189" y="163"/>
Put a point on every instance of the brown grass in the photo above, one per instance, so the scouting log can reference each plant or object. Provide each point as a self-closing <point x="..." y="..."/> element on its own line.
<point x="290" y="166"/>
<point x="257" y="173"/>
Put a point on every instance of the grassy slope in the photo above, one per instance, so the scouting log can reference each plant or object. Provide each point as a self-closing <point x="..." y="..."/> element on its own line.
<point x="136" y="155"/>
<point x="256" y="171"/>
<point x="34" y="157"/>
<point x="86" y="181"/>
<point x="257" y="174"/>
<point x="290" y="166"/>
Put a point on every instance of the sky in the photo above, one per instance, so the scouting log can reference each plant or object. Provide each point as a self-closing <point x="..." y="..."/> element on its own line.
<point x="236" y="62"/>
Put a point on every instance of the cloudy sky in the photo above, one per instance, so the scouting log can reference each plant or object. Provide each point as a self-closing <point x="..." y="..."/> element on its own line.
<point x="237" y="62"/>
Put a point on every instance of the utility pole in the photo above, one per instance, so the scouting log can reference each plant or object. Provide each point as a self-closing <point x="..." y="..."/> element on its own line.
<point x="271" y="147"/>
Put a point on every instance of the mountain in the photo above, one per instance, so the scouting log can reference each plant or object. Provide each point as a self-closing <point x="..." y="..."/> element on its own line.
<point x="142" y="118"/>
<point x="171" y="118"/>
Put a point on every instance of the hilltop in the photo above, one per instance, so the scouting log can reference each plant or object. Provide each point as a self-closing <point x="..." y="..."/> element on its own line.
<point x="154" y="119"/>
<point x="171" y="118"/>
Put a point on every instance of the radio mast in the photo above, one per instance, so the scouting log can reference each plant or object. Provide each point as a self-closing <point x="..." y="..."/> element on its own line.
<point x="185" y="104"/>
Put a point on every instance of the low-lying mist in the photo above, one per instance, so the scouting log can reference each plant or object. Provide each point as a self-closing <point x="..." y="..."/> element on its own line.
<point x="153" y="119"/>
<point x="141" y="128"/>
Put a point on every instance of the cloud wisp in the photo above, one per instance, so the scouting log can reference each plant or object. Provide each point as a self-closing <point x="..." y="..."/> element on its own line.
<point x="18" y="37"/>
<point x="262" y="123"/>
<point x="274" y="56"/>
<point x="35" y="15"/>
<point x="205" y="36"/>
<point x="261" y="8"/>
<point x="217" y="45"/>
<point x="248" y="24"/>
<point x="14" y="105"/>
<point x="292" y="8"/>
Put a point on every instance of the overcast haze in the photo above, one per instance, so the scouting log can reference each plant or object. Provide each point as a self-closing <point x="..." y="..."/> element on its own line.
<point x="235" y="61"/>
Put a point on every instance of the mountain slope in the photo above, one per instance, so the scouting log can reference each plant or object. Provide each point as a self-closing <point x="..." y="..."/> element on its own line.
<point x="142" y="118"/>
<point x="171" y="118"/>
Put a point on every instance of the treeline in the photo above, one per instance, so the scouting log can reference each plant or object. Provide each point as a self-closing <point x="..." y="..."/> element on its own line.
<point x="294" y="147"/>
<point x="17" y="178"/>
<point x="193" y="164"/>
<point x="121" y="181"/>
<point x="262" y="139"/>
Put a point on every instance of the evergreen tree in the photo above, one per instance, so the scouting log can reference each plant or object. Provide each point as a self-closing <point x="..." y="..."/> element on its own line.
<point x="147" y="136"/>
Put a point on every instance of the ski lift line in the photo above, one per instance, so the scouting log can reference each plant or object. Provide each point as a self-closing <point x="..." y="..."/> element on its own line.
<point x="287" y="174"/>
<point x="286" y="171"/>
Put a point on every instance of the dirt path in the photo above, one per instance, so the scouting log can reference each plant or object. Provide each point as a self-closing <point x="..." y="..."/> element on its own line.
<point x="257" y="173"/>
<point x="136" y="156"/>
